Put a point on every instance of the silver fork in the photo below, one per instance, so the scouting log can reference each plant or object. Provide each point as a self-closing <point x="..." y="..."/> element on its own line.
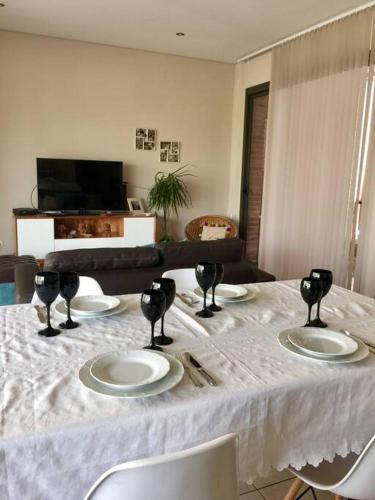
<point x="371" y="348"/>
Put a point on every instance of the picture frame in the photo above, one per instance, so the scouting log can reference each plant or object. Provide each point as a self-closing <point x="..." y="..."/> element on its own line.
<point x="135" y="205"/>
<point x="145" y="139"/>
<point x="169" y="151"/>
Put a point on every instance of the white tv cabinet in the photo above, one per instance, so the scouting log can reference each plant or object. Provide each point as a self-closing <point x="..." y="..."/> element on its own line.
<point x="39" y="234"/>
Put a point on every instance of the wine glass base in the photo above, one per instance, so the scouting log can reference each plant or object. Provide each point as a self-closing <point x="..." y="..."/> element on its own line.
<point x="49" y="332"/>
<point x="309" y="323"/>
<point x="204" y="313"/>
<point x="153" y="348"/>
<point x="69" y="325"/>
<point x="318" y="323"/>
<point x="163" y="340"/>
<point x="214" y="308"/>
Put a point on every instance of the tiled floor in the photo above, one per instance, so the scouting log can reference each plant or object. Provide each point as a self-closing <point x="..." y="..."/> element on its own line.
<point x="275" y="487"/>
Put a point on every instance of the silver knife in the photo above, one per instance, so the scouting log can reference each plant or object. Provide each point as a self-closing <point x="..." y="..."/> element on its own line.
<point x="200" y="369"/>
<point x="191" y="375"/>
<point x="40" y="313"/>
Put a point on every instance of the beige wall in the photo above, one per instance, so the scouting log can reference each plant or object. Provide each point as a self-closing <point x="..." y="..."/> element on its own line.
<point x="248" y="74"/>
<point x="62" y="98"/>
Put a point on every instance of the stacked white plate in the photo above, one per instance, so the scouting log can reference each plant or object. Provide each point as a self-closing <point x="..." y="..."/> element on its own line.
<point x="91" y="306"/>
<point x="228" y="293"/>
<point x="131" y="374"/>
<point x="323" y="345"/>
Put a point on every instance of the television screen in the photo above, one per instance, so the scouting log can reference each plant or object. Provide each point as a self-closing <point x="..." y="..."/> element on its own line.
<point x="79" y="184"/>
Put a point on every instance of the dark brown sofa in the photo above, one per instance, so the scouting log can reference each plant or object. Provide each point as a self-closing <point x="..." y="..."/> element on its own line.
<point x="131" y="270"/>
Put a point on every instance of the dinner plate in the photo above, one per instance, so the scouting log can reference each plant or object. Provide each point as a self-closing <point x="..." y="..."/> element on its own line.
<point x="250" y="294"/>
<point x="93" y="304"/>
<point x="128" y="370"/>
<point x="60" y="308"/>
<point x="361" y="353"/>
<point x="173" y="377"/>
<point x="224" y="291"/>
<point x="321" y="342"/>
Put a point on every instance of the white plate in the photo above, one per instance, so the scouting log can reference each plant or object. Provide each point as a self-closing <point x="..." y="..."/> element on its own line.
<point x="60" y="309"/>
<point x="128" y="370"/>
<point x="250" y="294"/>
<point x="321" y="342"/>
<point x="361" y="353"/>
<point x="173" y="377"/>
<point x="93" y="304"/>
<point x="224" y="291"/>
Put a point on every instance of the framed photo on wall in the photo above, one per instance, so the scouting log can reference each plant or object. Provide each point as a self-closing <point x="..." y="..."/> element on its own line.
<point x="145" y="139"/>
<point x="135" y="205"/>
<point x="169" y="151"/>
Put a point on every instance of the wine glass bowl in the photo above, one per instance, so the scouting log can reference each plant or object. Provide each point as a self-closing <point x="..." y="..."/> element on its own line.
<point x="326" y="278"/>
<point x="311" y="291"/>
<point x="218" y="279"/>
<point x="47" y="287"/>
<point x="153" y="303"/>
<point x="205" y="273"/>
<point x="168" y="286"/>
<point x="69" y="285"/>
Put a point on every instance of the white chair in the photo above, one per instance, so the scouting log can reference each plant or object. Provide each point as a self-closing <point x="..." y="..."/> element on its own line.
<point x="184" y="278"/>
<point x="349" y="477"/>
<point x="87" y="286"/>
<point x="206" y="472"/>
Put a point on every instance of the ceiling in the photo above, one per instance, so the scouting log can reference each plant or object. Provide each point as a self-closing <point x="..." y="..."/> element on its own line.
<point x="220" y="30"/>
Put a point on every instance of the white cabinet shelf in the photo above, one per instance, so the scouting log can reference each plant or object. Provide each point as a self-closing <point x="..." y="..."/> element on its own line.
<point x="39" y="235"/>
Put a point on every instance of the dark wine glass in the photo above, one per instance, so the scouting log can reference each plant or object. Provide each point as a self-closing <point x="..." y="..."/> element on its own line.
<point x="168" y="286"/>
<point x="311" y="291"/>
<point x="47" y="287"/>
<point x="218" y="279"/>
<point x="325" y="276"/>
<point x="153" y="307"/>
<point x="69" y="284"/>
<point x="205" y="272"/>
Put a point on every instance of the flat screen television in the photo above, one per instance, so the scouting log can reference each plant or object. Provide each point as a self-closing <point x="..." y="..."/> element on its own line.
<point x="73" y="185"/>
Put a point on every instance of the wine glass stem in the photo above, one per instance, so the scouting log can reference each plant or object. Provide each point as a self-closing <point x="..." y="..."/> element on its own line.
<point x="68" y="307"/>
<point x="318" y="310"/>
<point x="213" y="295"/>
<point x="204" y="299"/>
<point x="48" y="306"/>
<point x="152" y="333"/>
<point x="162" y="326"/>
<point x="309" y="316"/>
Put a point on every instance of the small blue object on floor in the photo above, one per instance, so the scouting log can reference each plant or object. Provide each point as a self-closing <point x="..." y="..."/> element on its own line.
<point x="7" y="294"/>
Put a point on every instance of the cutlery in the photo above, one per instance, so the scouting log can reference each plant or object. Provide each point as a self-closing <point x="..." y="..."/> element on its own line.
<point x="41" y="314"/>
<point x="186" y="299"/>
<point x="191" y="375"/>
<point x="371" y="348"/>
<point x="189" y="298"/>
<point x="200" y="369"/>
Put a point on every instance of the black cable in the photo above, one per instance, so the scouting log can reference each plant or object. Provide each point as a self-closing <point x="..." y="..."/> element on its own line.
<point x="31" y="197"/>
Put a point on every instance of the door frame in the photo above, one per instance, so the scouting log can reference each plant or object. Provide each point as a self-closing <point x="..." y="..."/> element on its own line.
<point x="251" y="93"/>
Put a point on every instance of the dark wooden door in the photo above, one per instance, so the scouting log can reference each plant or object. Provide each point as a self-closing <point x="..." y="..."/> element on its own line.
<point x="255" y="128"/>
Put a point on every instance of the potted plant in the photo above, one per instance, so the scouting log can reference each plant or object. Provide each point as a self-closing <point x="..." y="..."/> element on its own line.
<point x="169" y="193"/>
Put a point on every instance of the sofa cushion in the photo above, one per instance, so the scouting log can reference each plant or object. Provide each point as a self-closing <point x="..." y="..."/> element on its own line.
<point x="7" y="294"/>
<point x="188" y="253"/>
<point x="97" y="259"/>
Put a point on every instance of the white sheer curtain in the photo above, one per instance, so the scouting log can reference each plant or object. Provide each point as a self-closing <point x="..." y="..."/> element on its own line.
<point x="364" y="281"/>
<point x="318" y="87"/>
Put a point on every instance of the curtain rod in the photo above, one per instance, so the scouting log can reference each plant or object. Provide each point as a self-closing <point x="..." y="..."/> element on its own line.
<point x="307" y="30"/>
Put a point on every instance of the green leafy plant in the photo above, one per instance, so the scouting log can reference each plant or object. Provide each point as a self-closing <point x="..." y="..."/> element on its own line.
<point x="169" y="193"/>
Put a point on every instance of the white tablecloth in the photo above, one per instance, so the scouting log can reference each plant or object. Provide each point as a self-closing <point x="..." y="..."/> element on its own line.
<point x="57" y="437"/>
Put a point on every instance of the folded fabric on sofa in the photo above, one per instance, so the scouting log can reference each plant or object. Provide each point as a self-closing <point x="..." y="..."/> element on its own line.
<point x="188" y="253"/>
<point x="98" y="259"/>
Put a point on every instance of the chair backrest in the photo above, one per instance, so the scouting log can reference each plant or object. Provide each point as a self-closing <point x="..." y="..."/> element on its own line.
<point x="184" y="278"/>
<point x="87" y="286"/>
<point x="24" y="277"/>
<point x="359" y="482"/>
<point x="205" y="472"/>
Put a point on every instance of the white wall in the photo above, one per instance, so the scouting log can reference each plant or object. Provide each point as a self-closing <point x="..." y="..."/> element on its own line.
<point x="248" y="74"/>
<point x="61" y="98"/>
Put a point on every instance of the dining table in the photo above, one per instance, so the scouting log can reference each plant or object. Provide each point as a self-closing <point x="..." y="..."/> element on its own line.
<point x="57" y="436"/>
